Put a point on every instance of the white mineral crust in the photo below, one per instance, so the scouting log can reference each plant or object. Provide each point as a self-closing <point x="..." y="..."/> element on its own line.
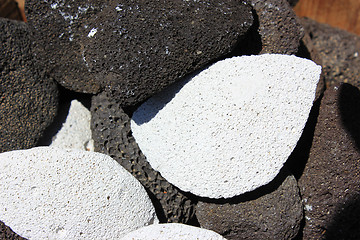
<point x="229" y="129"/>
<point x="172" y="231"/>
<point x="50" y="193"/>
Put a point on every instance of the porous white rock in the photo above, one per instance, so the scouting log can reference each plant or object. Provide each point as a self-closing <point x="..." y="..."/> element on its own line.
<point x="172" y="231"/>
<point x="75" y="132"/>
<point x="229" y="129"/>
<point x="50" y="193"/>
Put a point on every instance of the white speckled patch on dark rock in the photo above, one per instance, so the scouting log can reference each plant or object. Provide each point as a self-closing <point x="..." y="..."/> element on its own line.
<point x="28" y="97"/>
<point x="273" y="211"/>
<point x="330" y="182"/>
<point x="134" y="48"/>
<point x="279" y="27"/>
<point x="112" y="135"/>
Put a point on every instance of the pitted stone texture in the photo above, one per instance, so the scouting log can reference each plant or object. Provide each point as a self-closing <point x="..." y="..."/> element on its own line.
<point x="339" y="52"/>
<point x="75" y="132"/>
<point x="273" y="211"/>
<point x="330" y="182"/>
<point x="279" y="27"/>
<point x="229" y="129"/>
<point x="134" y="48"/>
<point x="50" y="193"/>
<point x="7" y="234"/>
<point x="172" y="231"/>
<point x="112" y="135"/>
<point x="308" y="50"/>
<point x="28" y="98"/>
<point x="293" y="2"/>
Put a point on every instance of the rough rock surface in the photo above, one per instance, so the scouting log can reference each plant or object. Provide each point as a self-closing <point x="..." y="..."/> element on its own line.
<point x="133" y="48"/>
<point x="309" y="51"/>
<point x="230" y="128"/>
<point x="339" y="52"/>
<point x="293" y="2"/>
<point x="273" y="211"/>
<point x="279" y="27"/>
<point x="28" y="98"/>
<point x="330" y="182"/>
<point x="112" y="135"/>
<point x="50" y="193"/>
<point x="75" y="132"/>
<point x="7" y="234"/>
<point x="173" y="231"/>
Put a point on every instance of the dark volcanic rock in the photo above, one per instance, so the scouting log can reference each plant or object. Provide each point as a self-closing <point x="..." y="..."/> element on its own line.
<point x="279" y="27"/>
<point x="330" y="183"/>
<point x="28" y="98"/>
<point x="293" y="2"/>
<point x="8" y="234"/>
<point x="309" y="51"/>
<point x="339" y="52"/>
<point x="273" y="211"/>
<point x="112" y="136"/>
<point x="133" y="48"/>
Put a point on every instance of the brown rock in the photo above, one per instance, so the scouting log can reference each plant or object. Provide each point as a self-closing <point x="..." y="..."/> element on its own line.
<point x="273" y="211"/>
<point x="6" y="233"/>
<point x="330" y="182"/>
<point x="112" y="135"/>
<point x="339" y="52"/>
<point x="279" y="27"/>
<point x="28" y="97"/>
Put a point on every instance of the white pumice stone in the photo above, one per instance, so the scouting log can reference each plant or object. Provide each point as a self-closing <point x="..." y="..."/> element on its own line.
<point x="50" y="193"/>
<point x="229" y="129"/>
<point x="172" y="231"/>
<point x="75" y="132"/>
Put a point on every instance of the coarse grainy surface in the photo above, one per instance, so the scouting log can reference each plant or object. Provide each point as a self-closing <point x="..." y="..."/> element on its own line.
<point x="172" y="231"/>
<point x="75" y="132"/>
<point x="330" y="182"/>
<point x="112" y="135"/>
<point x="273" y="211"/>
<point x="7" y="233"/>
<point x="279" y="27"/>
<point x="50" y="193"/>
<point x="229" y="129"/>
<point x="133" y="48"/>
<point x="338" y="50"/>
<point x="28" y="97"/>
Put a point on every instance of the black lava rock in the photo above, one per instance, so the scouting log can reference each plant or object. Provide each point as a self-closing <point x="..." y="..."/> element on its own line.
<point x="112" y="136"/>
<point x="133" y="49"/>
<point x="28" y="97"/>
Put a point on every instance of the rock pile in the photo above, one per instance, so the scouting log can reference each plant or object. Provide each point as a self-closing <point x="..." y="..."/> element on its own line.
<point x="196" y="133"/>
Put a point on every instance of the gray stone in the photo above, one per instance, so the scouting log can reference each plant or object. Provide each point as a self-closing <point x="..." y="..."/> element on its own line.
<point x="330" y="182"/>
<point x="112" y="135"/>
<point x="28" y="97"/>
<point x="273" y="211"/>
<point x="133" y="48"/>
<point x="279" y="27"/>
